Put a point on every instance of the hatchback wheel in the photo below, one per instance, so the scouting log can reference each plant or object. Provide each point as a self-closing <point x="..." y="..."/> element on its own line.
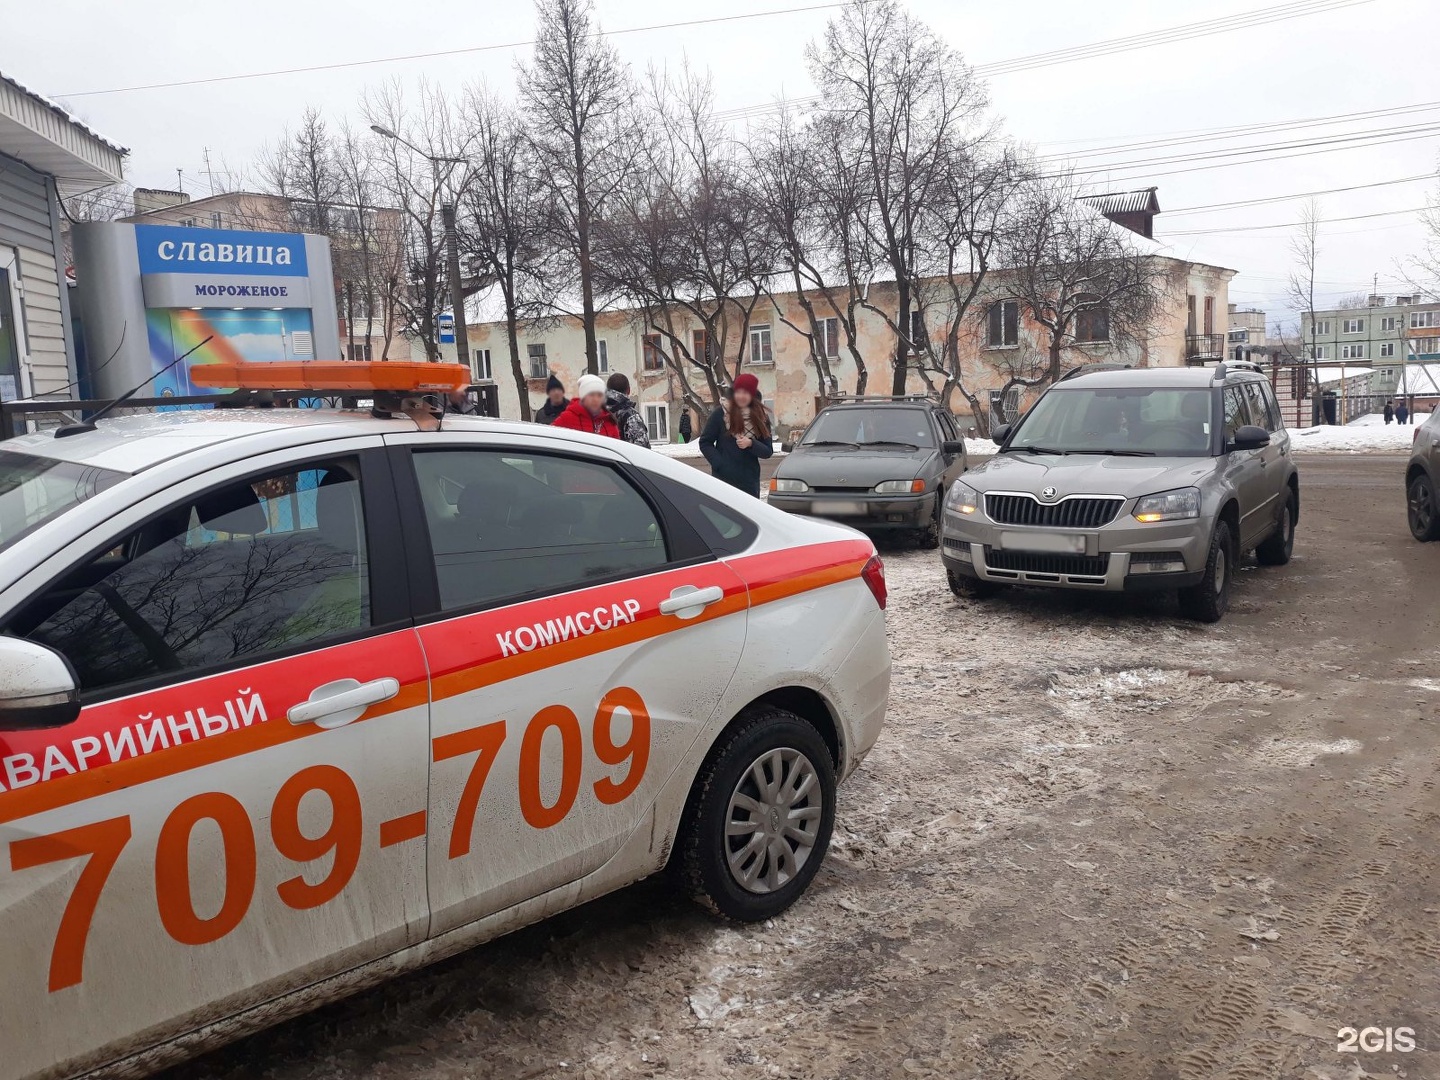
<point x="1421" y="509"/>
<point x="759" y="818"/>
<point x="929" y="536"/>
<point x="1209" y="600"/>
<point x="970" y="588"/>
<point x="1280" y="545"/>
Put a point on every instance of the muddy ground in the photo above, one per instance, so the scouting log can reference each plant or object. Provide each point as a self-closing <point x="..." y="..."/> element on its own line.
<point x="1094" y="841"/>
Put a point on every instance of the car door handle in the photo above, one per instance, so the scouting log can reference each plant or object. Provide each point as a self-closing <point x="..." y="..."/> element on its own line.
<point x="335" y="704"/>
<point x="688" y="601"/>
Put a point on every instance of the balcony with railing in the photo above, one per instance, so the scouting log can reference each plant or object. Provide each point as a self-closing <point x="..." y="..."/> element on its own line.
<point x="1202" y="347"/>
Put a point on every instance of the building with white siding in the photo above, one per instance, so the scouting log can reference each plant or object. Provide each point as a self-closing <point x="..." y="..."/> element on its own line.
<point x="45" y="153"/>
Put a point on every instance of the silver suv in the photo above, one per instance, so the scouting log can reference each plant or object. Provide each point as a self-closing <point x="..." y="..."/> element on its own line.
<point x="1422" y="481"/>
<point x="1156" y="478"/>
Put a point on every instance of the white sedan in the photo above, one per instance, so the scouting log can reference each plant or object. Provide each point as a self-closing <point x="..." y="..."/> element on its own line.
<point x="293" y="700"/>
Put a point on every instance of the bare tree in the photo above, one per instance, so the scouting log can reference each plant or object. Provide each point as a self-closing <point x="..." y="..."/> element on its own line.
<point x="901" y="99"/>
<point x="505" y="223"/>
<point x="1300" y="290"/>
<point x="1076" y="275"/>
<point x="576" y="93"/>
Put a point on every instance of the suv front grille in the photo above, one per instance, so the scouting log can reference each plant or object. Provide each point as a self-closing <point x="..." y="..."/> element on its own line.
<point x="1077" y="513"/>
<point x="1035" y="562"/>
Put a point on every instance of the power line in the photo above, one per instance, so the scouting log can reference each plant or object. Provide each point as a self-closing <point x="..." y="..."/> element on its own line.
<point x="1292" y="224"/>
<point x="447" y="52"/>
<point x="1210" y="208"/>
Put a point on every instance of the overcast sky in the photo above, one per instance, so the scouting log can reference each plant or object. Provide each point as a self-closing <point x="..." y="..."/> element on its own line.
<point x="1357" y="57"/>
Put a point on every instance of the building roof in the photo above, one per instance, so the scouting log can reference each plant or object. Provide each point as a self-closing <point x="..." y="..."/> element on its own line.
<point x="1143" y="201"/>
<point x="41" y="134"/>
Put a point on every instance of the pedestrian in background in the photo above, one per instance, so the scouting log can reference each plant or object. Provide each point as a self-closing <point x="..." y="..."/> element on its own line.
<point x="587" y="411"/>
<point x="555" y="401"/>
<point x="459" y="401"/>
<point x="625" y="412"/>
<point x="737" y="437"/>
<point x="1389" y="413"/>
<point x="687" y="430"/>
<point x="1402" y="414"/>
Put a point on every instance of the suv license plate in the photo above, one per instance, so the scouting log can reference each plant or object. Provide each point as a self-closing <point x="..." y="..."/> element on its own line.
<point x="1064" y="543"/>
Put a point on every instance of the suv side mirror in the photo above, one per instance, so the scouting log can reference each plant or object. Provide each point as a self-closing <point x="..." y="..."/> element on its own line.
<point x="1249" y="437"/>
<point x="1000" y="434"/>
<point x="951" y="447"/>
<point x="37" y="687"/>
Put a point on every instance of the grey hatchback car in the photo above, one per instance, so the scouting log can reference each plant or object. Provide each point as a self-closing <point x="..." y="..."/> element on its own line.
<point x="1153" y="478"/>
<point x="1422" y="481"/>
<point x="878" y="466"/>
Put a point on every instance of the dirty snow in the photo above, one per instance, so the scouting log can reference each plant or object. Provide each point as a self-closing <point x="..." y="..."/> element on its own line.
<point x="1363" y="436"/>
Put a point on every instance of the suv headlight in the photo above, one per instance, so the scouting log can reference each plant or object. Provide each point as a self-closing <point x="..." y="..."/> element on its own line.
<point x="899" y="487"/>
<point x="785" y="486"/>
<point x="1173" y="505"/>
<point x="963" y="499"/>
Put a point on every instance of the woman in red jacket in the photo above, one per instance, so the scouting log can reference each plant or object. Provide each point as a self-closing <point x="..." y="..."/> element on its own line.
<point x="587" y="412"/>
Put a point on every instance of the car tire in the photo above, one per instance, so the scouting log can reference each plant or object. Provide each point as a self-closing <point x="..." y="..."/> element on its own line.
<point x="724" y="870"/>
<point x="929" y="537"/>
<point x="1209" y="600"/>
<point x="1422" y="509"/>
<point x="970" y="588"/>
<point x="1280" y="544"/>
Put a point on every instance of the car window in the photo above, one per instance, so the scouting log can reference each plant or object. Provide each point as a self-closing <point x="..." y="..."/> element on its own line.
<point x="505" y="524"/>
<point x="849" y="424"/>
<point x="1237" y="411"/>
<point x="34" y="490"/>
<point x="1141" y="419"/>
<point x="1260" y="412"/>
<point x="723" y="529"/>
<point x="243" y="570"/>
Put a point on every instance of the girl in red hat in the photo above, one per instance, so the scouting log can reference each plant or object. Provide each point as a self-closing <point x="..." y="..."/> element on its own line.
<point x="737" y="436"/>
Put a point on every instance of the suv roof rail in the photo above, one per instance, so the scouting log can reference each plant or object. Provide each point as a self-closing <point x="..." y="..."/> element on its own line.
<point x="852" y="399"/>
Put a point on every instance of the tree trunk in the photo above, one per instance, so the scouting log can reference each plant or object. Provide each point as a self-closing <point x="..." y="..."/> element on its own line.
<point x="512" y="333"/>
<point x="1054" y="358"/>
<point x="902" y="339"/>
<point x="582" y="236"/>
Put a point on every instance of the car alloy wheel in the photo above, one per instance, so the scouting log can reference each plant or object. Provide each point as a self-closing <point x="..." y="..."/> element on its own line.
<point x="773" y="820"/>
<point x="1220" y="569"/>
<point x="1421" y="507"/>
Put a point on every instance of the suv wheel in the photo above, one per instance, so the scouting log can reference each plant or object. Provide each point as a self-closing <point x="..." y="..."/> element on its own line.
<point x="1421" y="509"/>
<point x="1279" y="545"/>
<point x="970" y="588"/>
<point x="1208" y="601"/>
<point x="760" y="816"/>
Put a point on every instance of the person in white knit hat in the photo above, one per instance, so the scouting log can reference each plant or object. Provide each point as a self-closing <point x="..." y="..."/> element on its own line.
<point x="587" y="412"/>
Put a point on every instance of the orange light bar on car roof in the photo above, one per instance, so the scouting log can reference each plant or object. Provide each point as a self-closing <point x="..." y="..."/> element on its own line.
<point x="360" y="376"/>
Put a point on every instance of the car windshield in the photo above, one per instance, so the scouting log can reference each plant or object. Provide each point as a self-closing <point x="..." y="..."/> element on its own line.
<point x="1160" y="421"/>
<point x="864" y="427"/>
<point x="34" y="490"/>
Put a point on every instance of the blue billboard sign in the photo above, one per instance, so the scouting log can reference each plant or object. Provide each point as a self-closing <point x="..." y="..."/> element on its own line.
<point x="178" y="249"/>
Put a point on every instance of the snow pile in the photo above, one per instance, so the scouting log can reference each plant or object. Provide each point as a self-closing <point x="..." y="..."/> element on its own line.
<point x="1368" y="434"/>
<point x="979" y="447"/>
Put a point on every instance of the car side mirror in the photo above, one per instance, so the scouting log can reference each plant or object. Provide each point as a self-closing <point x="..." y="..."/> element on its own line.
<point x="37" y="687"/>
<point x="951" y="447"/>
<point x="1250" y="437"/>
<point x="1000" y="434"/>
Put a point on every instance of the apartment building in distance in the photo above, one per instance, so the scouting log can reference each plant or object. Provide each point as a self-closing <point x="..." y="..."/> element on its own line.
<point x="1386" y="334"/>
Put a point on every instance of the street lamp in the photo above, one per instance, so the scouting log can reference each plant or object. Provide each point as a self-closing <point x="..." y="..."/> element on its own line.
<point x="452" y="241"/>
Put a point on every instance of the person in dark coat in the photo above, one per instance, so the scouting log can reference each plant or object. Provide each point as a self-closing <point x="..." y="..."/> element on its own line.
<point x="687" y="430"/>
<point x="625" y="412"/>
<point x="1389" y="413"/>
<point x="737" y="436"/>
<point x="1402" y="413"/>
<point x="555" y="401"/>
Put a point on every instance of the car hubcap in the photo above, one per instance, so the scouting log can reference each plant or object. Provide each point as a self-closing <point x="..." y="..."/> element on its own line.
<point x="773" y="820"/>
<point x="1219" y="571"/>
<point x="1420" y="508"/>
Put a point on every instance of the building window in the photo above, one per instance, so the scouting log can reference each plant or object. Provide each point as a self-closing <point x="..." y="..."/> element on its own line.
<point x="1319" y="353"/>
<point x="1387" y="348"/>
<point x="1209" y="317"/>
<point x="481" y="366"/>
<point x="217" y="220"/>
<point x="1190" y="314"/>
<point x="1237" y="337"/>
<point x="653" y="356"/>
<point x="188" y="222"/>
<point x="1321" y="326"/>
<point x="539" y="365"/>
<point x="1390" y="322"/>
<point x="700" y="350"/>
<point x="1352" y="352"/>
<point x="918" y="337"/>
<point x="830" y="338"/>
<point x="602" y="357"/>
<point x="1354" y="326"/>
<point x="359" y="350"/>
<point x="1092" y="324"/>
<point x="657" y="421"/>
<point x="761" y="350"/>
<point x="1420" y="319"/>
<point x="1424" y="346"/>
<point x="1002" y="324"/>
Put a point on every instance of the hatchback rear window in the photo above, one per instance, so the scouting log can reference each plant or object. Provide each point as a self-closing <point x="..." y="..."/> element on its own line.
<point x="34" y="490"/>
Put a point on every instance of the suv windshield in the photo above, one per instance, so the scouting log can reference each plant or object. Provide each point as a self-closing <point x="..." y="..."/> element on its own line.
<point x="1164" y="422"/>
<point x="848" y="424"/>
<point x="35" y="490"/>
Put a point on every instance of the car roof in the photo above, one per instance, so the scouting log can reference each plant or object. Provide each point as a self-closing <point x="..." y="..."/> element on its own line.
<point x="138" y="441"/>
<point x="1196" y="377"/>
